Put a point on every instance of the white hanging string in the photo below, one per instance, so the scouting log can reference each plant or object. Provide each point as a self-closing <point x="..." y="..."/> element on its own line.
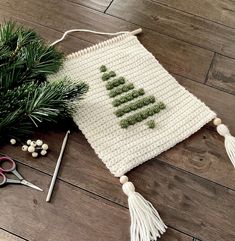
<point x="89" y="31"/>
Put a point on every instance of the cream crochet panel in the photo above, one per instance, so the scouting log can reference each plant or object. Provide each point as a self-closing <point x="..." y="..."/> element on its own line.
<point x="123" y="149"/>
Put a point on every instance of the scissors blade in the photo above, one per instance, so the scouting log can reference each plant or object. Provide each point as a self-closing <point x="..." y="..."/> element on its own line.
<point x="29" y="184"/>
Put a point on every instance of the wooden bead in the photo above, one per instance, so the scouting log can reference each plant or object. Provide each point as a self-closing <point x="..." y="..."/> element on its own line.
<point x="123" y="179"/>
<point x="217" y="121"/>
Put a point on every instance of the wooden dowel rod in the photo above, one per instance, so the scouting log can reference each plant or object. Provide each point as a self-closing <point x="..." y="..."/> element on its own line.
<point x="137" y="31"/>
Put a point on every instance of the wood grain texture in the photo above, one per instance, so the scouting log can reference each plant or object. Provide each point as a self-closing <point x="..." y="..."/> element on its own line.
<point x="177" y="56"/>
<point x="100" y="5"/>
<point x="5" y="236"/>
<point x="185" y="201"/>
<point x="72" y="214"/>
<point x="173" y="235"/>
<point x="222" y="74"/>
<point x="177" y="24"/>
<point x="204" y="155"/>
<point x="215" y="10"/>
<point x="68" y="45"/>
<point x="201" y="207"/>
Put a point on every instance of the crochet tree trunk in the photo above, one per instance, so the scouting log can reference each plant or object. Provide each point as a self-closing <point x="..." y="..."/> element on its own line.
<point x="128" y="99"/>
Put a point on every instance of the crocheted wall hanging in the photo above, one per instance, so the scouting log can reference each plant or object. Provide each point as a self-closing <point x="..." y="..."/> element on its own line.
<point x="134" y="110"/>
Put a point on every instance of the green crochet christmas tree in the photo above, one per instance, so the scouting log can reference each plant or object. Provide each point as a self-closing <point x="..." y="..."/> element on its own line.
<point x="126" y="99"/>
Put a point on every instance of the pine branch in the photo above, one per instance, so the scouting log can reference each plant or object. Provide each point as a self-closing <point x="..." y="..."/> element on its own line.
<point x="48" y="102"/>
<point x="27" y="100"/>
<point x="25" y="57"/>
<point x="53" y="101"/>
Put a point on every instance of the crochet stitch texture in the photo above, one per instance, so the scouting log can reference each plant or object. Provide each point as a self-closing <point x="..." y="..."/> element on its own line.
<point x="123" y="149"/>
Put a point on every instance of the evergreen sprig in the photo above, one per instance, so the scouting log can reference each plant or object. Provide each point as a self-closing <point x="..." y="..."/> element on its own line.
<point x="25" y="57"/>
<point x="27" y="99"/>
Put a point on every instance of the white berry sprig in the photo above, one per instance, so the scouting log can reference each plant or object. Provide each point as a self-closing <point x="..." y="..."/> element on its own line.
<point x="36" y="148"/>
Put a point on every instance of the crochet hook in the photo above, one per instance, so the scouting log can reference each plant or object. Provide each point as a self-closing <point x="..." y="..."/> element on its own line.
<point x="57" y="167"/>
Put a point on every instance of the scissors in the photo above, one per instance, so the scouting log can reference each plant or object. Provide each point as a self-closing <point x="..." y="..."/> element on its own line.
<point x="12" y="169"/>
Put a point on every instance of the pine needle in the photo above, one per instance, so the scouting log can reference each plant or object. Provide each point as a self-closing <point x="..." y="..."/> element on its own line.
<point x="27" y="99"/>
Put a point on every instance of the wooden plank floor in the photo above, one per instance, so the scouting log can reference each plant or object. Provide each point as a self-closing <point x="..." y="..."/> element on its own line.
<point x="192" y="185"/>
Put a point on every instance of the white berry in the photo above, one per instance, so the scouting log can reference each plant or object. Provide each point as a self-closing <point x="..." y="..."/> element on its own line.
<point x="43" y="152"/>
<point x="39" y="142"/>
<point x="31" y="149"/>
<point x="44" y="146"/>
<point x="33" y="143"/>
<point x="13" y="141"/>
<point x="34" y="154"/>
<point x="24" y="148"/>
<point x="28" y="142"/>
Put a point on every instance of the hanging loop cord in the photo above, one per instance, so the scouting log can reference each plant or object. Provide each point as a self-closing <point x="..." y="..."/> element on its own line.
<point x="137" y="31"/>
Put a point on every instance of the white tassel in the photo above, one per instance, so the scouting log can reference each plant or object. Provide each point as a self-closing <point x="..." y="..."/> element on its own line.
<point x="146" y="224"/>
<point x="229" y="141"/>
